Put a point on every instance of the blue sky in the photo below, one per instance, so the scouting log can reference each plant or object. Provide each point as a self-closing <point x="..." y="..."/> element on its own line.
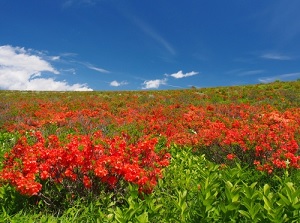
<point x="139" y="45"/>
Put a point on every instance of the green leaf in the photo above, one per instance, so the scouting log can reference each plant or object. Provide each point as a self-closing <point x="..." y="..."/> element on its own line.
<point x="245" y="213"/>
<point x="283" y="200"/>
<point x="119" y="215"/>
<point x="156" y="207"/>
<point x="183" y="207"/>
<point x="296" y="206"/>
<point x="266" y="189"/>
<point x="253" y="211"/>
<point x="267" y="204"/>
<point x="143" y="218"/>
<point x="253" y="185"/>
<point x="228" y="184"/>
<point x="235" y="198"/>
<point x="233" y="206"/>
<point x="289" y="191"/>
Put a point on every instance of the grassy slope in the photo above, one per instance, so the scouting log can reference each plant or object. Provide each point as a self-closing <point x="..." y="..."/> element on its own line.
<point x="177" y="197"/>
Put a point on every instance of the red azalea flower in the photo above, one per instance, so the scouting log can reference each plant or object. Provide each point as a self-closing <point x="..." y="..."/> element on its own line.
<point x="231" y="156"/>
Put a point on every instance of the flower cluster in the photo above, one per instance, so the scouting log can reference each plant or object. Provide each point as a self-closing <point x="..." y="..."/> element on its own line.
<point x="85" y="160"/>
<point x="257" y="134"/>
<point x="265" y="134"/>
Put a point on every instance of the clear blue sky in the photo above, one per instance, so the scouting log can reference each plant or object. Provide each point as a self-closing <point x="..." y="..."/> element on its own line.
<point x="140" y="44"/>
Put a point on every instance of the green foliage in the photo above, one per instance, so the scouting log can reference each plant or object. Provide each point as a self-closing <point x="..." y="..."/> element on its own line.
<point x="193" y="190"/>
<point x="7" y="141"/>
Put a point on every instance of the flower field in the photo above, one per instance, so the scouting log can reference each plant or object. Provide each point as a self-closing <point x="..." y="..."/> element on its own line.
<point x="227" y="154"/>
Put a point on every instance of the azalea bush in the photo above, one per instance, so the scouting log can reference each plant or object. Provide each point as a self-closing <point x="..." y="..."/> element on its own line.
<point x="261" y="135"/>
<point x="193" y="189"/>
<point x="82" y="165"/>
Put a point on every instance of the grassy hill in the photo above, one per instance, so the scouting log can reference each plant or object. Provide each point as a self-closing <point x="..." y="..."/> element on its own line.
<point x="224" y="154"/>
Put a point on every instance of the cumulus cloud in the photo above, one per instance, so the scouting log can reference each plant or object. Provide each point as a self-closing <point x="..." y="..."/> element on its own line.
<point x="275" y="56"/>
<point x="280" y="77"/>
<point x="21" y="70"/>
<point x="154" y="83"/>
<point x="117" y="84"/>
<point x="180" y="74"/>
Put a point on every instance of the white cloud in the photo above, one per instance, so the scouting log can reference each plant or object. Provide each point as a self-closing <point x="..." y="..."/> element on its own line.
<point x="69" y="3"/>
<point x="275" y="56"/>
<point x="55" y="58"/>
<point x="20" y="70"/>
<point x="49" y="84"/>
<point x="250" y="72"/>
<point x="117" y="84"/>
<point x="101" y="70"/>
<point x="152" y="33"/>
<point x="179" y="74"/>
<point x="17" y="58"/>
<point x="69" y="70"/>
<point x="68" y="54"/>
<point x="154" y="83"/>
<point x="280" y="77"/>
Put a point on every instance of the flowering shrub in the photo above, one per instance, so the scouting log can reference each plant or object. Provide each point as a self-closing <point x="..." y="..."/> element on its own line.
<point x="83" y="163"/>
<point x="93" y="150"/>
<point x="266" y="136"/>
<point x="261" y="136"/>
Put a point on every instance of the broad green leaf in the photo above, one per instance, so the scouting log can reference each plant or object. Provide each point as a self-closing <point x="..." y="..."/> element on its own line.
<point x="253" y="211"/>
<point x="235" y="198"/>
<point x="184" y="207"/>
<point x="284" y="200"/>
<point x="296" y="206"/>
<point x="267" y="203"/>
<point x="245" y="213"/>
<point x="143" y="218"/>
<point x="233" y="206"/>
<point x="228" y="184"/>
<point x="253" y="185"/>
<point x="266" y="188"/>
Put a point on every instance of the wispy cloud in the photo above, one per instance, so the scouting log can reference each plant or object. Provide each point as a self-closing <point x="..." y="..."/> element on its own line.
<point x="154" y="84"/>
<point x="243" y="72"/>
<point x="284" y="19"/>
<point x="69" y="59"/>
<point x="54" y="58"/>
<point x="20" y="69"/>
<point x="101" y="70"/>
<point x="148" y="30"/>
<point x="117" y="84"/>
<point x="68" y="54"/>
<point x="69" y="70"/>
<point x="275" y="56"/>
<point x="251" y="72"/>
<point x="89" y="66"/>
<point x="180" y="74"/>
<point x="70" y="3"/>
<point x="280" y="77"/>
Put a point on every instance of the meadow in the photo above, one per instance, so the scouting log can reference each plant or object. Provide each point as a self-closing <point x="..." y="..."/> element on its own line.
<point x="223" y="154"/>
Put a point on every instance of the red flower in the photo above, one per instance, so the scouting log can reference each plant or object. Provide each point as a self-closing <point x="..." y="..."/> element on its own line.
<point x="87" y="181"/>
<point x="231" y="156"/>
